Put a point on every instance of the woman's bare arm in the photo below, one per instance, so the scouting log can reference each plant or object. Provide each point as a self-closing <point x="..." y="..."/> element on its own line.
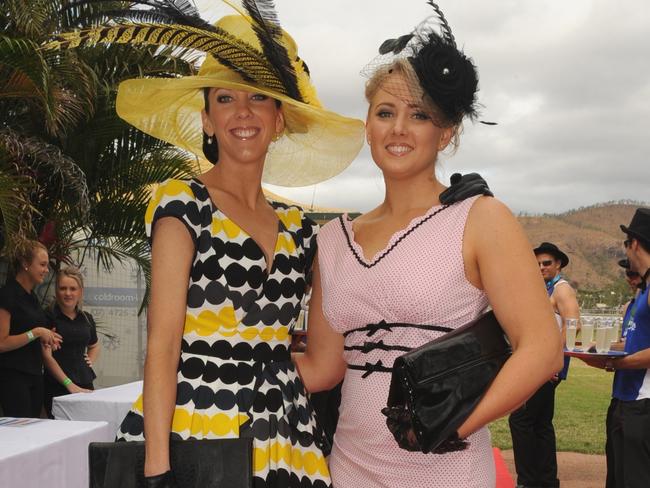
<point x="499" y="259"/>
<point x="57" y="373"/>
<point x="171" y="258"/>
<point x="321" y="366"/>
<point x="10" y="342"/>
<point x="92" y="352"/>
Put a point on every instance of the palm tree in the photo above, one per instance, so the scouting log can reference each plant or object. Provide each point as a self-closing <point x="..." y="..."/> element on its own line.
<point x="84" y="175"/>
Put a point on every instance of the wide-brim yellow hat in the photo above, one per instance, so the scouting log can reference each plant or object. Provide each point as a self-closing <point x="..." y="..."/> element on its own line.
<point x="316" y="145"/>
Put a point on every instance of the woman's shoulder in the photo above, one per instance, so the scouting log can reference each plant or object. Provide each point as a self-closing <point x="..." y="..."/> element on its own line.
<point x="490" y="212"/>
<point x="87" y="317"/>
<point x="184" y="199"/>
<point x="174" y="187"/>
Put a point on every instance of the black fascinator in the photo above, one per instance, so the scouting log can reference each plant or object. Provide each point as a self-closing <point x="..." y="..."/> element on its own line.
<point x="445" y="77"/>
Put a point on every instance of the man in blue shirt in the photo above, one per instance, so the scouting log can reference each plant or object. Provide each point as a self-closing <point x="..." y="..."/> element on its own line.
<point x="628" y="416"/>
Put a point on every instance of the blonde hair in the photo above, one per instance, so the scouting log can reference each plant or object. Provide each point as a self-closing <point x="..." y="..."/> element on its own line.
<point x="75" y="274"/>
<point x="25" y="253"/>
<point x="403" y="67"/>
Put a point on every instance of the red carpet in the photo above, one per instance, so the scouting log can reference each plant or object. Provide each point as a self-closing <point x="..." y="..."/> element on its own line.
<point x="504" y="480"/>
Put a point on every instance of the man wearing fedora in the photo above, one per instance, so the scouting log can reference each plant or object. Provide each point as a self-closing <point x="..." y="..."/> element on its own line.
<point x="531" y="426"/>
<point x="628" y="416"/>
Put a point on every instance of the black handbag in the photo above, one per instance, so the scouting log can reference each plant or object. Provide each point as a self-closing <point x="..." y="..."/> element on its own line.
<point x="207" y="463"/>
<point x="435" y="387"/>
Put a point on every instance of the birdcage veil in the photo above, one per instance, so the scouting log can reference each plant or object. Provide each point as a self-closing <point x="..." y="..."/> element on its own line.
<point x="435" y="74"/>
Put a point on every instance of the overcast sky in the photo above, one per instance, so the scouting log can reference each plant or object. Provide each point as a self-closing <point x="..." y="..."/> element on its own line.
<point x="568" y="82"/>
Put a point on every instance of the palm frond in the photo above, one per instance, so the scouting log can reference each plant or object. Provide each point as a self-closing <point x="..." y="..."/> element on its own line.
<point x="15" y="207"/>
<point x="59" y="85"/>
<point x="182" y="12"/>
<point x="59" y="170"/>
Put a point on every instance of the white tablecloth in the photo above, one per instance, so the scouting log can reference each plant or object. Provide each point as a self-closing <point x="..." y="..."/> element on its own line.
<point x="108" y="404"/>
<point x="48" y="453"/>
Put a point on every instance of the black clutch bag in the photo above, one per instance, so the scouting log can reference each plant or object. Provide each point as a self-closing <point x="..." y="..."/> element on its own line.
<point x="208" y="463"/>
<point x="435" y="387"/>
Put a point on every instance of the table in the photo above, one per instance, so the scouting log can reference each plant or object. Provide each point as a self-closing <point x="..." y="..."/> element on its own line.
<point x="108" y="404"/>
<point x="47" y="453"/>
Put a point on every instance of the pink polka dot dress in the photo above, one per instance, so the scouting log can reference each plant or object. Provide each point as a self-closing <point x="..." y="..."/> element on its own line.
<point x="418" y="279"/>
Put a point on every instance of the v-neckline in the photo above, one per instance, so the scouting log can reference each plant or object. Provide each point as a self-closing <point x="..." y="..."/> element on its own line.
<point x="269" y="267"/>
<point x="395" y="238"/>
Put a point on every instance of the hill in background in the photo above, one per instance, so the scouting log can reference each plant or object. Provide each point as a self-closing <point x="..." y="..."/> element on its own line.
<point x="591" y="237"/>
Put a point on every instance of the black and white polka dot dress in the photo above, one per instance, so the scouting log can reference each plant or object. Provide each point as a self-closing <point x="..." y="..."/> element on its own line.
<point x="235" y="375"/>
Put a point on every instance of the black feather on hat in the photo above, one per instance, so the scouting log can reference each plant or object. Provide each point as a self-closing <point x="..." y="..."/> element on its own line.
<point x="445" y="74"/>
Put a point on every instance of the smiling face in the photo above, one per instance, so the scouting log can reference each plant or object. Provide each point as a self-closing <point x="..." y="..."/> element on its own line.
<point x="403" y="139"/>
<point x="37" y="268"/>
<point x="68" y="293"/>
<point x="244" y="124"/>
<point x="548" y="265"/>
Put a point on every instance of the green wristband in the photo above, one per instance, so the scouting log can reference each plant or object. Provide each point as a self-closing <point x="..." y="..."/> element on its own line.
<point x="30" y="335"/>
<point x="66" y="381"/>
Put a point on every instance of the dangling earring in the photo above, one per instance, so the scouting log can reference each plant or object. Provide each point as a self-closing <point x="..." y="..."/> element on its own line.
<point x="210" y="140"/>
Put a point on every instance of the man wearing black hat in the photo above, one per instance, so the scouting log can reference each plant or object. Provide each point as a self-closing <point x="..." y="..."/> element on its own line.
<point x="628" y="416"/>
<point x="531" y="426"/>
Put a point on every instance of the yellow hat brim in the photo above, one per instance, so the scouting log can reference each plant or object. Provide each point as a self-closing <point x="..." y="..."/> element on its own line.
<point x="317" y="144"/>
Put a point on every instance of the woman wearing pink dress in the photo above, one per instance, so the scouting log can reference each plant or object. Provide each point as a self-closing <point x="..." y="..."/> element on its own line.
<point x="415" y="260"/>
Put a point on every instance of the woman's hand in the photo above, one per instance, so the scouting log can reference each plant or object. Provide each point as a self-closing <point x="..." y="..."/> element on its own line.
<point x="88" y="361"/>
<point x="165" y="480"/>
<point x="48" y="337"/>
<point x="72" y="388"/>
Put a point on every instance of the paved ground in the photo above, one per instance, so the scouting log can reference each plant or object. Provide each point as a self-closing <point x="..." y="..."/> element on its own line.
<point x="574" y="470"/>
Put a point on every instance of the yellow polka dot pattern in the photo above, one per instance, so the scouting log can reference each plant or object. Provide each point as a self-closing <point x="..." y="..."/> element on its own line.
<point x="170" y="190"/>
<point x="283" y="453"/>
<point x="225" y="225"/>
<point x="209" y="322"/>
<point x="224" y="323"/>
<point x="201" y="426"/>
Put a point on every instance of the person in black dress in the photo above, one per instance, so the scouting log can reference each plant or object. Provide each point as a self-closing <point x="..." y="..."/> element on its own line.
<point x="22" y="322"/>
<point x="69" y="369"/>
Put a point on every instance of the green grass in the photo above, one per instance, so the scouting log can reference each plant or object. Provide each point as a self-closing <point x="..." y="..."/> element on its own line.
<point x="580" y="409"/>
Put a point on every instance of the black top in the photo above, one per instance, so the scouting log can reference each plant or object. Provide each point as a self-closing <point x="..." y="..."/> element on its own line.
<point x="77" y="334"/>
<point x="26" y="313"/>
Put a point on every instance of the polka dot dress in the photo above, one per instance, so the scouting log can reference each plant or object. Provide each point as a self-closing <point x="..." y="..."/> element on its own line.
<point x="419" y="280"/>
<point x="235" y="375"/>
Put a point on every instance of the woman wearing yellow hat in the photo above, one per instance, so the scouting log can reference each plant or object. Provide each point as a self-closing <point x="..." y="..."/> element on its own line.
<point x="229" y="267"/>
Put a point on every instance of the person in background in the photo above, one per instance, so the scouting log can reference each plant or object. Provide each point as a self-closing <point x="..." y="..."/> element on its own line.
<point x="23" y="330"/>
<point x="531" y="426"/>
<point x="69" y="369"/>
<point x="628" y="417"/>
<point x="633" y="279"/>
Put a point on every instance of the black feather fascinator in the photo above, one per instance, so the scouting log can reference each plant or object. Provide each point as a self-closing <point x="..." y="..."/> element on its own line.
<point x="445" y="75"/>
